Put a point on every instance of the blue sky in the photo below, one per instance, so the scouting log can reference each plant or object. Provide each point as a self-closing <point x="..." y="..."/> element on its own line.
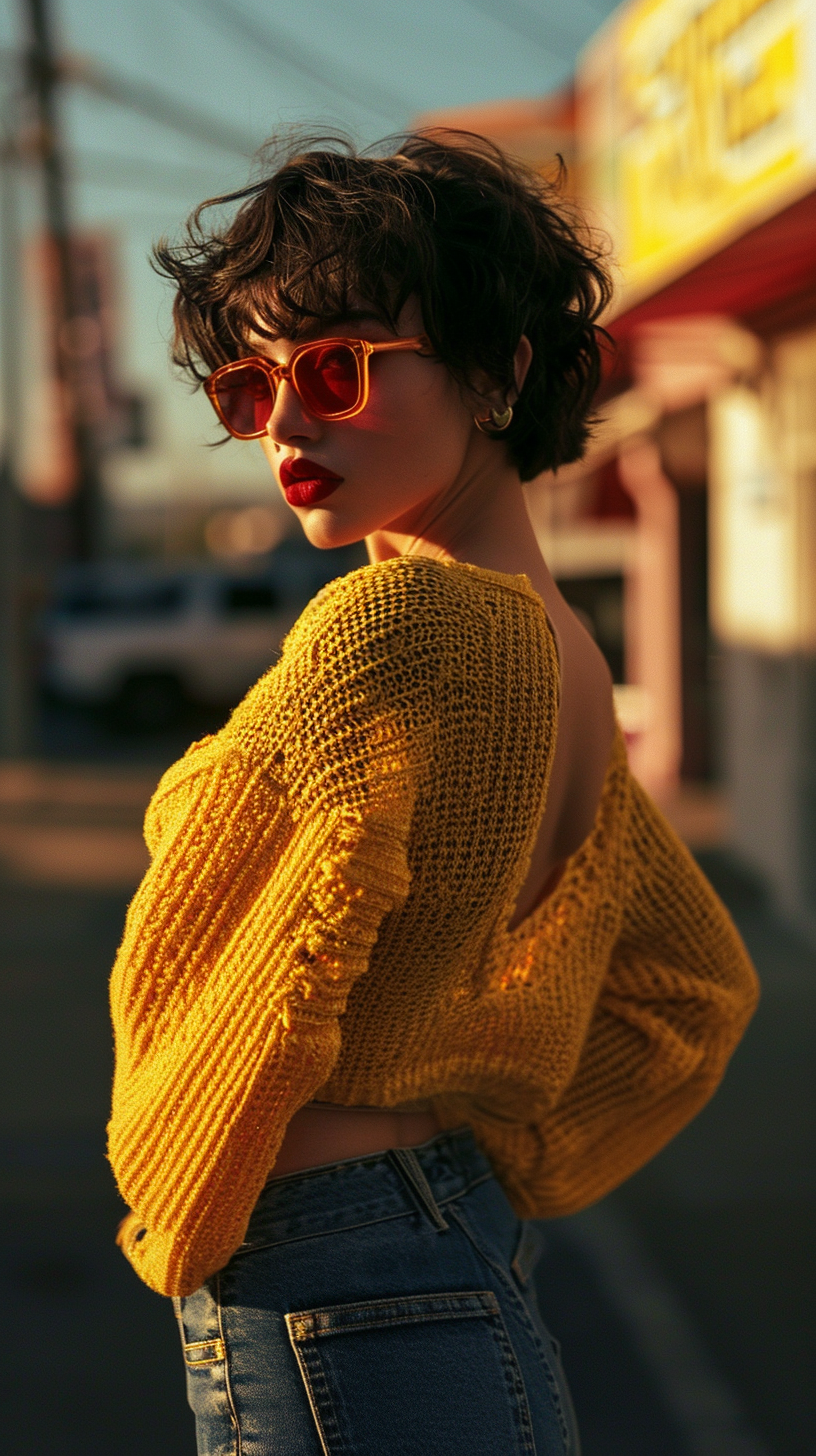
<point x="366" y="66"/>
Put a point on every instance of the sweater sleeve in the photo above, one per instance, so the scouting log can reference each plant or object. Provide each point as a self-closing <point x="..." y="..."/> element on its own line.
<point x="277" y="849"/>
<point x="675" y="1000"/>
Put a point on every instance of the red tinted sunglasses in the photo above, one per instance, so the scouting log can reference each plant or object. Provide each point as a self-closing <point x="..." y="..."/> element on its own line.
<point x="329" y="376"/>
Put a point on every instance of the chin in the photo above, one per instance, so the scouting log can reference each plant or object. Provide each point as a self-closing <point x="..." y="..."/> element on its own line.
<point x="323" y="530"/>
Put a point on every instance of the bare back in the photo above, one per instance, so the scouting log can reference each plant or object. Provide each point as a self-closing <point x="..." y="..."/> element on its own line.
<point x="585" y="731"/>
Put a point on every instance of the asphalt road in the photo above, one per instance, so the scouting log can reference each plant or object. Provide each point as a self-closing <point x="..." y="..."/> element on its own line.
<point x="683" y="1303"/>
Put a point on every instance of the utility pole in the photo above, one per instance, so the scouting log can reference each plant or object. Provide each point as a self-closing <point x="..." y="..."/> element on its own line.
<point x="43" y="76"/>
<point x="14" y="668"/>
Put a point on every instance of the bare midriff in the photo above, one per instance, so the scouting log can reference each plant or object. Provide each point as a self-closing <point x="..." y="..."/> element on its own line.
<point x="325" y="1132"/>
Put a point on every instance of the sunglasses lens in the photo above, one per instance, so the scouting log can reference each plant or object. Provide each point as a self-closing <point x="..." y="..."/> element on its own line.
<point x="245" y="400"/>
<point x="328" y="379"/>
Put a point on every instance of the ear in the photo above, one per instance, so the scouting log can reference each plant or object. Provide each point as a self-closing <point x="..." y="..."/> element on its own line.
<point x="522" y="359"/>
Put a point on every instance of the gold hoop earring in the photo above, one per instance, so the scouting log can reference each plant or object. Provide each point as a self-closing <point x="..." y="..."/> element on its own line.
<point x="498" y="421"/>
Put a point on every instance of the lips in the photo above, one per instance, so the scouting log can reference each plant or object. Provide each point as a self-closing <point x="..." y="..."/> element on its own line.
<point x="304" y="482"/>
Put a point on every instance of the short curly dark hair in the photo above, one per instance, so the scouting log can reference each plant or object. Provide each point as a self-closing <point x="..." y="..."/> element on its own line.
<point x="490" y="248"/>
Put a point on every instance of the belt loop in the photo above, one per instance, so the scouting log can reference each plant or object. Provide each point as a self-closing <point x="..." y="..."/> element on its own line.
<point x="408" y="1165"/>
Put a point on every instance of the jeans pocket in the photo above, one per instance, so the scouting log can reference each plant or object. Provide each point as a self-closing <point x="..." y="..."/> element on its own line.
<point x="418" y="1375"/>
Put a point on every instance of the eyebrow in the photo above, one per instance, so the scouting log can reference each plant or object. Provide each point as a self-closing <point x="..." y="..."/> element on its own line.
<point x="338" y="321"/>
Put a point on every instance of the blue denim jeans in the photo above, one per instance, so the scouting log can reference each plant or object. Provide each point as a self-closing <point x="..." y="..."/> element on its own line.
<point x="379" y="1306"/>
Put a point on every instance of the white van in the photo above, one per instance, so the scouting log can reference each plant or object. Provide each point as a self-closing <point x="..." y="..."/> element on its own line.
<point x="143" y="640"/>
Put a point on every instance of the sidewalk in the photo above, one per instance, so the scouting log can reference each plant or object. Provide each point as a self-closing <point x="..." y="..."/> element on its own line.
<point x="73" y="825"/>
<point x="728" y="1210"/>
<point x="705" y="1258"/>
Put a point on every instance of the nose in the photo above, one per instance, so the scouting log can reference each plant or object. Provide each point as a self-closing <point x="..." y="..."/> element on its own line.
<point x="290" y="421"/>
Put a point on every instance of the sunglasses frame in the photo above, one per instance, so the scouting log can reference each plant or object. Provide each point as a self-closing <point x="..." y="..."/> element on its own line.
<point x="362" y="350"/>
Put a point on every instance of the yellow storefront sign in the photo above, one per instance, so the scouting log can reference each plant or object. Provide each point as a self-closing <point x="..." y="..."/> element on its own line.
<point x="697" y="117"/>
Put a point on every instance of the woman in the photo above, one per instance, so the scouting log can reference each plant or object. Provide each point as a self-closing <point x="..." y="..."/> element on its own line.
<point x="416" y="960"/>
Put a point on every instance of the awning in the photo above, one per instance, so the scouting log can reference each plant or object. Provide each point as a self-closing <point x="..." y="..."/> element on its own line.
<point x="766" y="278"/>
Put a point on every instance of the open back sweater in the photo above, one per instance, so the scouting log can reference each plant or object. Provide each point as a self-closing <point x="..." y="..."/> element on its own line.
<point x="326" y="911"/>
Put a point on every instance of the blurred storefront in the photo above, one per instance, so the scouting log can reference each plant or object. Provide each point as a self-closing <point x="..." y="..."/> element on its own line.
<point x="695" y="509"/>
<point x="697" y="149"/>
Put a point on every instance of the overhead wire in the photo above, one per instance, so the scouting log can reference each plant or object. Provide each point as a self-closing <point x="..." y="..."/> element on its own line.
<point x="151" y="102"/>
<point x="551" y="37"/>
<point x="283" y="48"/>
<point x="109" y="169"/>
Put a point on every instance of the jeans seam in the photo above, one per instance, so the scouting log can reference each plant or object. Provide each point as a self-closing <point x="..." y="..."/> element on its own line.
<point x="227" y="1382"/>
<point x="244" y="1249"/>
<point x="348" y="1228"/>
<point x="176" y="1302"/>
<point x="300" y="1323"/>
<point x="524" y="1315"/>
<point x="476" y="1182"/>
<point x="512" y="1372"/>
<point x="308" y="1356"/>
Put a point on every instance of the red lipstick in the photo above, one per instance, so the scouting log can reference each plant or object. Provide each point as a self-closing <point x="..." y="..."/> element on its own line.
<point x="304" y="483"/>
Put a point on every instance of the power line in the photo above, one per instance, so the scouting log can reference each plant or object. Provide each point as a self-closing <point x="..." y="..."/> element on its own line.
<point x="364" y="92"/>
<point x="149" y="101"/>
<point x="518" y="18"/>
<point x="109" y="169"/>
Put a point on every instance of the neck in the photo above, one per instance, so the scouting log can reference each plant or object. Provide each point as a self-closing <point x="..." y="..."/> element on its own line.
<point x="482" y="520"/>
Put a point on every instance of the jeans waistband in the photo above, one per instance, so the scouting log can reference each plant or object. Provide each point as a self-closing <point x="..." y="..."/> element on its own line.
<point x="365" y="1190"/>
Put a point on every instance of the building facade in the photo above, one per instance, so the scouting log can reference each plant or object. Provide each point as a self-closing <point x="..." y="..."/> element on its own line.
<point x="696" y="129"/>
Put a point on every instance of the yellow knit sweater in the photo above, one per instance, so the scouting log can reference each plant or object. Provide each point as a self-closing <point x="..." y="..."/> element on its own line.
<point x="326" y="912"/>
